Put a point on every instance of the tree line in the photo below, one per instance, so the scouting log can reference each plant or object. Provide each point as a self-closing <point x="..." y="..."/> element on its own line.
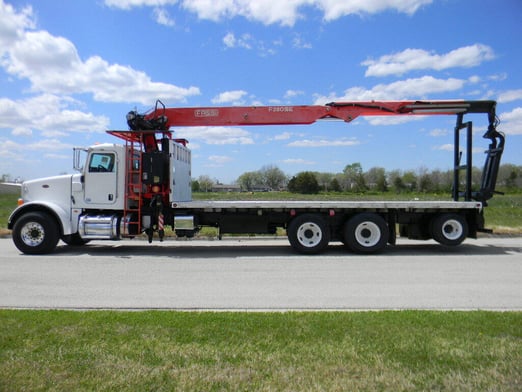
<point x="354" y="179"/>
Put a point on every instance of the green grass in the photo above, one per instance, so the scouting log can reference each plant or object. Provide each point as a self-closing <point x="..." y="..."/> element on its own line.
<point x="7" y="205"/>
<point x="164" y="351"/>
<point x="504" y="213"/>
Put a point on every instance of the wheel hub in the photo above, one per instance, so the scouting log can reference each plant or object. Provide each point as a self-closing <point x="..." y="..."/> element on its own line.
<point x="32" y="234"/>
<point x="309" y="234"/>
<point x="368" y="234"/>
<point x="452" y="229"/>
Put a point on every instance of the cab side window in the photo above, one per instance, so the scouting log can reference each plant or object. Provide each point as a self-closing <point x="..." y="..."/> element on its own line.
<point x="101" y="162"/>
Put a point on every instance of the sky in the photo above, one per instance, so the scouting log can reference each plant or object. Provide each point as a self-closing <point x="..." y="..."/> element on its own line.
<point x="70" y="70"/>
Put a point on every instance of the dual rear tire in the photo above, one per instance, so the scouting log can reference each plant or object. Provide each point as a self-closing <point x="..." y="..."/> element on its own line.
<point x="363" y="233"/>
<point x="366" y="233"/>
<point x="308" y="233"/>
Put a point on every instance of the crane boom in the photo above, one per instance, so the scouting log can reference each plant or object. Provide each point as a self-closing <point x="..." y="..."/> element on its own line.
<point x="162" y="118"/>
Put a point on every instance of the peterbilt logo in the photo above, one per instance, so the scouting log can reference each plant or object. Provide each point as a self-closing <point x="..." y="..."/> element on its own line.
<point x="206" y="113"/>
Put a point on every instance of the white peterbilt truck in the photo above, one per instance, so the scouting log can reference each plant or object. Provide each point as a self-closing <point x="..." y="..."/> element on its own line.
<point x="144" y="184"/>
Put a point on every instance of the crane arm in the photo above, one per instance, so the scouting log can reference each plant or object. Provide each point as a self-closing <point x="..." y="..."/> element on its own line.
<point x="163" y="118"/>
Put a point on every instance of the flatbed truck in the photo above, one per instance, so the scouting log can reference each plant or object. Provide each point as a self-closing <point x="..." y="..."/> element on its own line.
<point x="143" y="185"/>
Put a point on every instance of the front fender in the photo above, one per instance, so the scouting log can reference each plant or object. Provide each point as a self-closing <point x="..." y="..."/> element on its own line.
<point x="62" y="216"/>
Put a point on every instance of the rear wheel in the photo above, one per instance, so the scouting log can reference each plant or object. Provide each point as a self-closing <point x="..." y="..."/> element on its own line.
<point x="308" y="233"/>
<point x="449" y="229"/>
<point x="36" y="233"/>
<point x="366" y="233"/>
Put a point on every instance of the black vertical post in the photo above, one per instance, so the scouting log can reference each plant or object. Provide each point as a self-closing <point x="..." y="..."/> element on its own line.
<point x="456" y="157"/>
<point x="469" y="160"/>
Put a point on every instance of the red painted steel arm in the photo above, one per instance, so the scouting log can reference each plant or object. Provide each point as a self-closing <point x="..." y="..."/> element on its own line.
<point x="278" y="115"/>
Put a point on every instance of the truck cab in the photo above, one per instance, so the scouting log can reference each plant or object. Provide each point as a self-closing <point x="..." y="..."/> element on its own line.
<point x="55" y="208"/>
<point x="101" y="182"/>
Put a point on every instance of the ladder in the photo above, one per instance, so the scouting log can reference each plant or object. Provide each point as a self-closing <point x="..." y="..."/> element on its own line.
<point x="137" y="143"/>
<point x="133" y="187"/>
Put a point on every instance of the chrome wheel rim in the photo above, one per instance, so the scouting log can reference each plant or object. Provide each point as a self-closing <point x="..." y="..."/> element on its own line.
<point x="32" y="234"/>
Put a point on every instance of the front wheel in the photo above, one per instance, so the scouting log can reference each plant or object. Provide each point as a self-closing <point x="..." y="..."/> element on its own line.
<point x="449" y="229"/>
<point x="36" y="233"/>
<point x="366" y="233"/>
<point x="308" y="234"/>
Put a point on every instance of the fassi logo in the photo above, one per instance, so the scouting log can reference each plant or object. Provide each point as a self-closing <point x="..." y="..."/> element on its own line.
<point x="206" y="113"/>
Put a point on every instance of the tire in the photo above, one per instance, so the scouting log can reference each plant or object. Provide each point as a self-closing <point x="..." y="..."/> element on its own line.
<point x="36" y="233"/>
<point x="308" y="234"/>
<point x="366" y="233"/>
<point x="449" y="229"/>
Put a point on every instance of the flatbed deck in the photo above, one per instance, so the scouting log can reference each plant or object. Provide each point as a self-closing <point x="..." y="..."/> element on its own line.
<point x="216" y="206"/>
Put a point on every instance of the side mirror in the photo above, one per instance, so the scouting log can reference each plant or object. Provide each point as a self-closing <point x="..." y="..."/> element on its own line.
<point x="79" y="158"/>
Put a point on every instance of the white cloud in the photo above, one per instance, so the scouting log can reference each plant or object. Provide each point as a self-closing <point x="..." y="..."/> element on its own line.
<point x="450" y="147"/>
<point x="285" y="13"/>
<point x="509" y="96"/>
<point x="283" y="136"/>
<point x="299" y="43"/>
<point x="511" y="122"/>
<point x="53" y="66"/>
<point x="288" y="12"/>
<point x="128" y="4"/>
<point x="162" y="17"/>
<point x="28" y="157"/>
<point x="47" y="113"/>
<point x="293" y="93"/>
<point x="234" y="97"/>
<point x="267" y="11"/>
<point x="219" y="159"/>
<point x="298" y="161"/>
<point x="324" y="143"/>
<point x="229" y="40"/>
<point x="40" y="145"/>
<point x="402" y="89"/>
<point x="392" y="120"/>
<point x="418" y="59"/>
<point x="249" y="42"/>
<point x="245" y="41"/>
<point x="13" y="25"/>
<point x="57" y="156"/>
<point x="216" y="135"/>
<point x="334" y="9"/>
<point x="498" y="77"/>
<point x="21" y="131"/>
<point x="54" y="133"/>
<point x="438" y="132"/>
<point x="444" y="147"/>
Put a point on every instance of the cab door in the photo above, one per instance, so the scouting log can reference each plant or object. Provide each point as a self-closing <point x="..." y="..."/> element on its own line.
<point x="101" y="179"/>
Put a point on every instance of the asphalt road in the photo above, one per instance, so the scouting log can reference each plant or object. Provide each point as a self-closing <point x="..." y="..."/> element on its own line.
<point x="254" y="274"/>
